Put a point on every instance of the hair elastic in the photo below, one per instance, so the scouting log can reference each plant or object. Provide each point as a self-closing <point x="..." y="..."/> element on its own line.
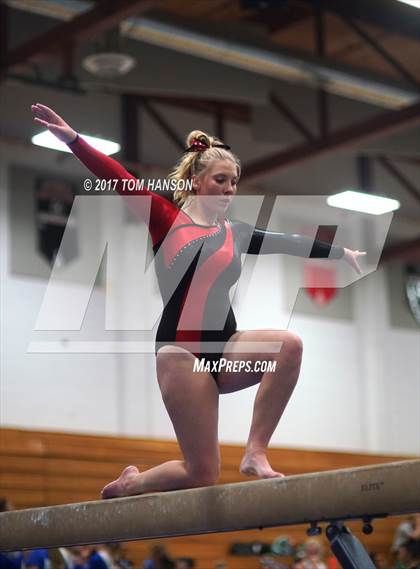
<point x="199" y="146"/>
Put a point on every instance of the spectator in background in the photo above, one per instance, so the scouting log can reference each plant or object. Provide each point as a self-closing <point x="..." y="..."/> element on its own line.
<point x="5" y="505"/>
<point x="379" y="560"/>
<point x="401" y="557"/>
<point x="113" y="554"/>
<point x="413" y="548"/>
<point x="87" y="557"/>
<point x="12" y="560"/>
<point x="332" y="563"/>
<point x="184" y="563"/>
<point x="406" y="535"/>
<point x="269" y="562"/>
<point x="312" y="554"/>
<point x="159" y="559"/>
<point x="36" y="559"/>
<point x="69" y="559"/>
<point x="409" y="555"/>
<point x="105" y="553"/>
<point x="408" y="529"/>
<point x="33" y="559"/>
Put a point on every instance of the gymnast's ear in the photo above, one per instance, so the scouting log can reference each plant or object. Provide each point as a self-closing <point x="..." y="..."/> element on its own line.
<point x="196" y="183"/>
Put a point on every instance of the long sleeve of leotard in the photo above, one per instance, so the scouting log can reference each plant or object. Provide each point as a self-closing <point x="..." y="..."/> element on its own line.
<point x="258" y="241"/>
<point x="158" y="212"/>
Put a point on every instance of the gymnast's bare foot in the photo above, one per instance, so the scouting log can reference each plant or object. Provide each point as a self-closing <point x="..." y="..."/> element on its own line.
<point x="255" y="463"/>
<point x="120" y="487"/>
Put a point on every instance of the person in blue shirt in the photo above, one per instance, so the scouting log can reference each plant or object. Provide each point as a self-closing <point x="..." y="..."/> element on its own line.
<point x="12" y="560"/>
<point x="36" y="559"/>
<point x="89" y="558"/>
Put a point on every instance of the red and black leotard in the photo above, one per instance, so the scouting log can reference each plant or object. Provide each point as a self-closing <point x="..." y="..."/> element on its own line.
<point x="196" y="265"/>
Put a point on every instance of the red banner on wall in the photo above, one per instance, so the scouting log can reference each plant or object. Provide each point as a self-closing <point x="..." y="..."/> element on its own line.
<point x="320" y="283"/>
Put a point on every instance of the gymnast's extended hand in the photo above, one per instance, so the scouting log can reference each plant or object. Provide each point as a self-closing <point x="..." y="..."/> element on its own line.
<point x="351" y="257"/>
<point x="53" y="122"/>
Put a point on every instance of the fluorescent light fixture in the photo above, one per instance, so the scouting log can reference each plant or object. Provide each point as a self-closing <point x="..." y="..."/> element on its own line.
<point x="415" y="3"/>
<point x="366" y="203"/>
<point x="48" y="140"/>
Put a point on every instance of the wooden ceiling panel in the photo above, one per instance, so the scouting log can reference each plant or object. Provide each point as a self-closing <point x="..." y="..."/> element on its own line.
<point x="345" y="45"/>
<point x="342" y="40"/>
<point x="405" y="50"/>
<point x="298" y="36"/>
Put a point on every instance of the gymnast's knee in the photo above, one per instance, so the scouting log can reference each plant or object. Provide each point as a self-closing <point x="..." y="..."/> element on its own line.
<point x="294" y="346"/>
<point x="290" y="354"/>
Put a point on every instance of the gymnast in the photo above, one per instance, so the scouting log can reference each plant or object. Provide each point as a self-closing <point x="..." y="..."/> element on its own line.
<point x="195" y="244"/>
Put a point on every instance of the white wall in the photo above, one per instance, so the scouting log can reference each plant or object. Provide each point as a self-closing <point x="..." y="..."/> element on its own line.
<point x="76" y="392"/>
<point x="400" y="416"/>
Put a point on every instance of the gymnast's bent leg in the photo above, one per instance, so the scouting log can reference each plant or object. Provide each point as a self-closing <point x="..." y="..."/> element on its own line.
<point x="192" y="400"/>
<point x="273" y="393"/>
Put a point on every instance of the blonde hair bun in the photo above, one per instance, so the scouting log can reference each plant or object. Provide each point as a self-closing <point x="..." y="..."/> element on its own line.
<point x="195" y="162"/>
<point x="202" y="137"/>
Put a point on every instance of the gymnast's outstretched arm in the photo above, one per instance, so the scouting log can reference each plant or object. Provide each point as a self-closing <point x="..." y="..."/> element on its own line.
<point x="162" y="212"/>
<point x="258" y="241"/>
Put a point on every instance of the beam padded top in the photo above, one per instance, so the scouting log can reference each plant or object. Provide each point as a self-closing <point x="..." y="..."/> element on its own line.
<point x="375" y="491"/>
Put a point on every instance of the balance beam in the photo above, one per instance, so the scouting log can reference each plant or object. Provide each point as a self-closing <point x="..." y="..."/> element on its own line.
<point x="354" y="493"/>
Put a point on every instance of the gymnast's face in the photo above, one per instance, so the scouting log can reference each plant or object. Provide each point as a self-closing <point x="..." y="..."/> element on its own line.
<point x="216" y="185"/>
